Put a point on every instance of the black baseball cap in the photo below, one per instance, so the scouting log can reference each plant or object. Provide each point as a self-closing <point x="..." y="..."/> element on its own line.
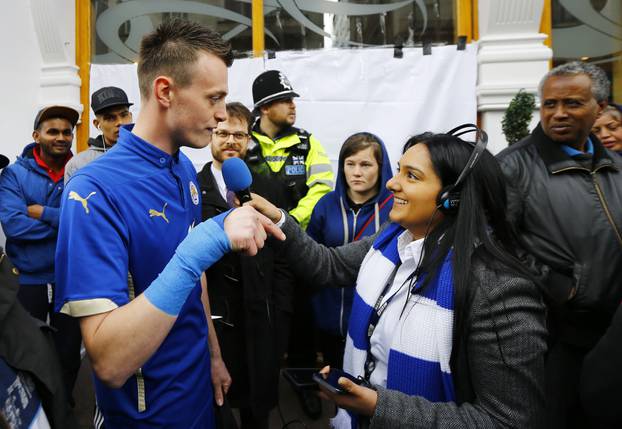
<point x="108" y="96"/>
<point x="270" y="86"/>
<point x="66" y="112"/>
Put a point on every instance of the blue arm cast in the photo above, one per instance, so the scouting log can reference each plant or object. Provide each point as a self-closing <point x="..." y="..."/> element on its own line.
<point x="203" y="246"/>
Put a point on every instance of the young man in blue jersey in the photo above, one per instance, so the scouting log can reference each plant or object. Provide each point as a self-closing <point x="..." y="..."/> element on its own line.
<point x="132" y="247"/>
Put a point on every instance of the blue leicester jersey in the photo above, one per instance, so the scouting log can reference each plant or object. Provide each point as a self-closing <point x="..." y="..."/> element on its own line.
<point x="126" y="213"/>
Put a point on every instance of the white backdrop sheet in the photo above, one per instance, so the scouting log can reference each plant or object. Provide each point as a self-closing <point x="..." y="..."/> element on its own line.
<point x="347" y="91"/>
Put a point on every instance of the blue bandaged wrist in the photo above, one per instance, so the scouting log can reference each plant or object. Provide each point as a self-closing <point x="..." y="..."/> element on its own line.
<point x="220" y="219"/>
<point x="203" y="246"/>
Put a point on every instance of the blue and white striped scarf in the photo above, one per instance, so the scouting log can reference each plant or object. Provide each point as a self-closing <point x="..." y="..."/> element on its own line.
<point x="418" y="362"/>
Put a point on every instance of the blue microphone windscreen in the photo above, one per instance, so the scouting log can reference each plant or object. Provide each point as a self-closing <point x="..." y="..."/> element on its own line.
<point x="236" y="174"/>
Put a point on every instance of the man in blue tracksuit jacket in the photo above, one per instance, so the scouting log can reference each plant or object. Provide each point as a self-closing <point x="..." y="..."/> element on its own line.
<point x="30" y="193"/>
<point x="356" y="208"/>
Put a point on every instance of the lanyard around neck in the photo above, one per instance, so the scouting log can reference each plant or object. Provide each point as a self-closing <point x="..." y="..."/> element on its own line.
<point x="378" y="311"/>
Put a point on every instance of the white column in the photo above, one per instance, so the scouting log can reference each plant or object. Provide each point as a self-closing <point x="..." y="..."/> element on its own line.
<point x="511" y="56"/>
<point x="54" y="23"/>
<point x="329" y="27"/>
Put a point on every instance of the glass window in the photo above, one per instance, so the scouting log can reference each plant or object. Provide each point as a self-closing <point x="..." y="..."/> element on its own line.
<point x="590" y="30"/>
<point x="303" y="24"/>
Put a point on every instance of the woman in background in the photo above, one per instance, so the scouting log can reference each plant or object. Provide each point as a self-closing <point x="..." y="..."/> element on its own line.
<point x="356" y="208"/>
<point x="608" y="127"/>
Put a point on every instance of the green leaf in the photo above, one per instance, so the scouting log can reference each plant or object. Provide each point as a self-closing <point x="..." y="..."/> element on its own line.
<point x="517" y="117"/>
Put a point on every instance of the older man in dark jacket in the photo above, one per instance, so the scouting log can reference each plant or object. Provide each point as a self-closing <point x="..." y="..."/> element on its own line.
<point x="565" y="194"/>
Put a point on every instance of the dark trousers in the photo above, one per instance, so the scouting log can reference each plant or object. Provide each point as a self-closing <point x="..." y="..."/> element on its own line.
<point x="249" y="420"/>
<point x="563" y="405"/>
<point x="302" y="348"/>
<point x="332" y="347"/>
<point x="67" y="338"/>
<point x="571" y="336"/>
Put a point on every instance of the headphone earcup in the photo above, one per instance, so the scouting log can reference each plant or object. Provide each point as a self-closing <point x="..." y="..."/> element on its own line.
<point x="442" y="198"/>
<point x="448" y="201"/>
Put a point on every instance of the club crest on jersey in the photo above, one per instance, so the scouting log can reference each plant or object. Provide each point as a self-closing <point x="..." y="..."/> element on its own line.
<point x="194" y="193"/>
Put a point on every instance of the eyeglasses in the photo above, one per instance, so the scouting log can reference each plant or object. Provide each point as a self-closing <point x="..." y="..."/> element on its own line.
<point x="237" y="136"/>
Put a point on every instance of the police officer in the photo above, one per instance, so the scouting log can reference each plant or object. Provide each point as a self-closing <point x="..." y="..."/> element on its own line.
<point x="297" y="165"/>
<point x="292" y="156"/>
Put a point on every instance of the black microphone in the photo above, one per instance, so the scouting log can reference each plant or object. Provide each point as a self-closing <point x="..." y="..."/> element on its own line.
<point x="237" y="178"/>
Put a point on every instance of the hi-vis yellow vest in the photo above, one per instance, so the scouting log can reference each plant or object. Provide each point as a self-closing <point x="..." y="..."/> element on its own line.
<point x="300" y="166"/>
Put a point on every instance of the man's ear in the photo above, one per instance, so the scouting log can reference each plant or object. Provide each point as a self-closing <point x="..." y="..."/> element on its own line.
<point x="602" y="105"/>
<point x="96" y="123"/>
<point x="162" y="90"/>
<point x="35" y="136"/>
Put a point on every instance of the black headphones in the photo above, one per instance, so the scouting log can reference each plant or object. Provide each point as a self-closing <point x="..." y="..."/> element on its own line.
<point x="448" y="199"/>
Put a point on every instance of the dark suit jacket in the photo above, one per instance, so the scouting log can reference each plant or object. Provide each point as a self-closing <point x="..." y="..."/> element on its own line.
<point x="253" y="295"/>
<point x="25" y="347"/>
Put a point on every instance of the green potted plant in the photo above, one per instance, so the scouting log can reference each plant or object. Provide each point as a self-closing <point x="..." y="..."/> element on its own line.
<point x="517" y="117"/>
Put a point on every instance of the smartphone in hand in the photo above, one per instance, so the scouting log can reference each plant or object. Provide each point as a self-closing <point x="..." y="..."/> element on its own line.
<point x="301" y="378"/>
<point x="331" y="383"/>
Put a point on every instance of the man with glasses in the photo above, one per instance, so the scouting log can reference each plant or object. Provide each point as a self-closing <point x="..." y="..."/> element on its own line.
<point x="249" y="296"/>
<point x="229" y="140"/>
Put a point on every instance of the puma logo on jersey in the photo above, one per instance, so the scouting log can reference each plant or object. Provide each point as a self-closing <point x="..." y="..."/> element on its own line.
<point x="155" y="213"/>
<point x="73" y="195"/>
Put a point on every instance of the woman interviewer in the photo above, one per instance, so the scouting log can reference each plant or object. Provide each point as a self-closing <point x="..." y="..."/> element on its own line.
<point x="445" y="324"/>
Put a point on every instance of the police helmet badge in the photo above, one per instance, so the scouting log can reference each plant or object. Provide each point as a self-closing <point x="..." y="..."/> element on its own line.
<point x="284" y="81"/>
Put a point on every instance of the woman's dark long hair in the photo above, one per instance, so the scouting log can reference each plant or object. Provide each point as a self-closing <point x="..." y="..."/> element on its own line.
<point x="479" y="225"/>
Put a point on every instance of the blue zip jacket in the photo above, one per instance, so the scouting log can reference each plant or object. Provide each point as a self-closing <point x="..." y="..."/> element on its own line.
<point x="334" y="223"/>
<point x="30" y="243"/>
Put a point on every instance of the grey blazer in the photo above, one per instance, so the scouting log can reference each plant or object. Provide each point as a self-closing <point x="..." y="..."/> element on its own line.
<point x="498" y="369"/>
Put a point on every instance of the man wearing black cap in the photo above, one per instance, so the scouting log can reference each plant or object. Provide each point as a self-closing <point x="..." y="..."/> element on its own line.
<point x="300" y="170"/>
<point x="111" y="108"/>
<point x="30" y="192"/>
